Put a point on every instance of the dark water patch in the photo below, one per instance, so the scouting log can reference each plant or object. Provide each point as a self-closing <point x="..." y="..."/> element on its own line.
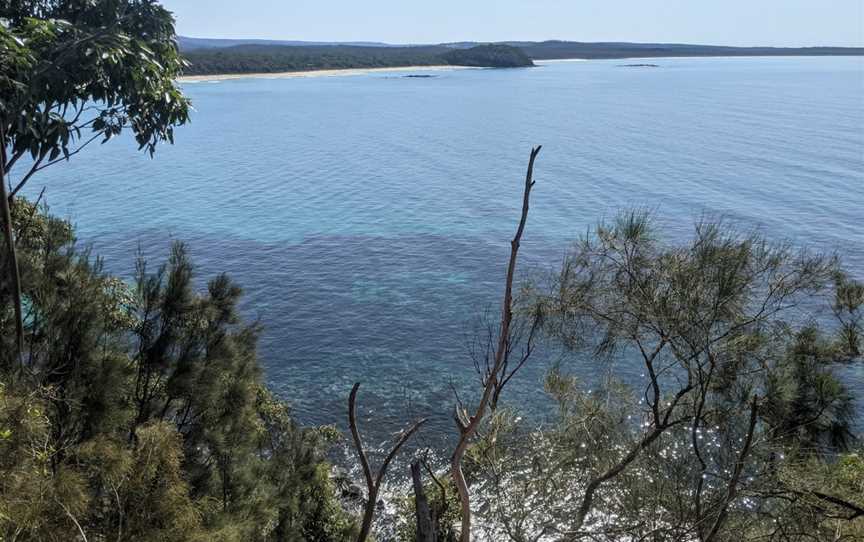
<point x="396" y="314"/>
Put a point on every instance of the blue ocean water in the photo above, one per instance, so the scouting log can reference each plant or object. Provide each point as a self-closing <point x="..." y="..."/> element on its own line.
<point x="368" y="217"/>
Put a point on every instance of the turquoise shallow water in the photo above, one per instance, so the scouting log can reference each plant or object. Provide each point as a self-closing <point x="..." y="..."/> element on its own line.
<point x="368" y="217"/>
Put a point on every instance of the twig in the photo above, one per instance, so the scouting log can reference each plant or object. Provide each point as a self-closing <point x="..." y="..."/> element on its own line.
<point x="75" y="521"/>
<point x="38" y="166"/>
<point x="431" y="472"/>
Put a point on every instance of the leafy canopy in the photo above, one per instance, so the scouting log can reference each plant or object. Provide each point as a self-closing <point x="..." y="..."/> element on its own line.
<point x="76" y="71"/>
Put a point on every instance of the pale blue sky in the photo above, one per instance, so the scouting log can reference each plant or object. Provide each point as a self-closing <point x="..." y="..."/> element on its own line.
<point x="721" y="22"/>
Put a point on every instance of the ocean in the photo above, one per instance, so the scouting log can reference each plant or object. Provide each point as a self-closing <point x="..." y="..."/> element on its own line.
<point x="368" y="217"/>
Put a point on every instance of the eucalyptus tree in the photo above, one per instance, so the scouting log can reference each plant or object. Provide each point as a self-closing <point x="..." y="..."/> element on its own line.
<point x="73" y="72"/>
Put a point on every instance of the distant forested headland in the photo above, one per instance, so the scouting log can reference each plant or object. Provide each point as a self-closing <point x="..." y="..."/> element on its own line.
<point x="550" y="50"/>
<point x="213" y="56"/>
<point x="263" y="58"/>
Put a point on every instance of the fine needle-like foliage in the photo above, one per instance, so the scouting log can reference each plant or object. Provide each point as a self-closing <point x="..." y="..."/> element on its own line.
<point x="135" y="410"/>
<point x="738" y="395"/>
<point x="139" y="413"/>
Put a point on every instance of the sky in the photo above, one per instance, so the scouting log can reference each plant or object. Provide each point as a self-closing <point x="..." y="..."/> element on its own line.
<point x="716" y="22"/>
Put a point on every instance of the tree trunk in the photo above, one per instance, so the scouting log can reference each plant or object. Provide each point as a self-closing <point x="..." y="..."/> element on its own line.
<point x="368" y="515"/>
<point x="14" y="276"/>
<point x="425" y="523"/>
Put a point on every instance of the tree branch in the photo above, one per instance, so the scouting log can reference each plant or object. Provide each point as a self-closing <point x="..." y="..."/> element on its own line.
<point x="467" y="430"/>
<point x="355" y="434"/>
<point x="732" y="488"/>
<point x="38" y="166"/>
<point x="856" y="511"/>
<point x="373" y="483"/>
<point x="425" y="521"/>
<point x="75" y="521"/>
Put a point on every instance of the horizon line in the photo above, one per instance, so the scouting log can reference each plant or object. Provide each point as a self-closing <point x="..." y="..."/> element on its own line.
<point x="415" y="44"/>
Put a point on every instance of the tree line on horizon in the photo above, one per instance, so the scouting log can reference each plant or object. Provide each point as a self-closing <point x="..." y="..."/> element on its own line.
<point x="277" y="58"/>
<point x="215" y="57"/>
<point x="137" y="410"/>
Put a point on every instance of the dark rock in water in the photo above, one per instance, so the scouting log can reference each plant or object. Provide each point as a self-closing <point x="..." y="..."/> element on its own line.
<point x="353" y="493"/>
<point x="638" y="66"/>
<point x="419" y="76"/>
<point x="350" y="493"/>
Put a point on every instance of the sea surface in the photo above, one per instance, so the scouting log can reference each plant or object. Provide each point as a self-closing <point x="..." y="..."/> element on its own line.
<point x="368" y="217"/>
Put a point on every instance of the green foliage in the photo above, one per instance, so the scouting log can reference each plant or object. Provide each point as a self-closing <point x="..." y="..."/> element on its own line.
<point x="492" y="55"/>
<point x="572" y="49"/>
<point x="76" y="71"/>
<point x="849" y="310"/>
<point x="145" y="495"/>
<point x="739" y="395"/>
<point x="806" y="406"/>
<point x="443" y="504"/>
<point x="140" y="414"/>
<point x="137" y="411"/>
<point x="270" y="59"/>
<point x="829" y="498"/>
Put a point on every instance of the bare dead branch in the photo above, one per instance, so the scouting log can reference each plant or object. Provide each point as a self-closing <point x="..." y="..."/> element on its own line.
<point x="373" y="483"/>
<point x="431" y="472"/>
<point x="355" y="434"/>
<point x="11" y="162"/>
<point x="618" y="468"/>
<point x="855" y="511"/>
<point x="425" y="521"/>
<point x="71" y="517"/>
<point x="468" y="427"/>
<point x="506" y="373"/>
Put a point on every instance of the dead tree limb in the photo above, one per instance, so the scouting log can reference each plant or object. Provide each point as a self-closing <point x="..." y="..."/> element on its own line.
<point x="468" y="425"/>
<point x="854" y="511"/>
<point x="71" y="517"/>
<point x="425" y="520"/>
<point x="14" y="275"/>
<point x="373" y="482"/>
<point x="429" y="470"/>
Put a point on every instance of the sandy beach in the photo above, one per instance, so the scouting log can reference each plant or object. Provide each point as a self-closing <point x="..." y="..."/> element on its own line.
<point x="557" y="60"/>
<point x="317" y="73"/>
